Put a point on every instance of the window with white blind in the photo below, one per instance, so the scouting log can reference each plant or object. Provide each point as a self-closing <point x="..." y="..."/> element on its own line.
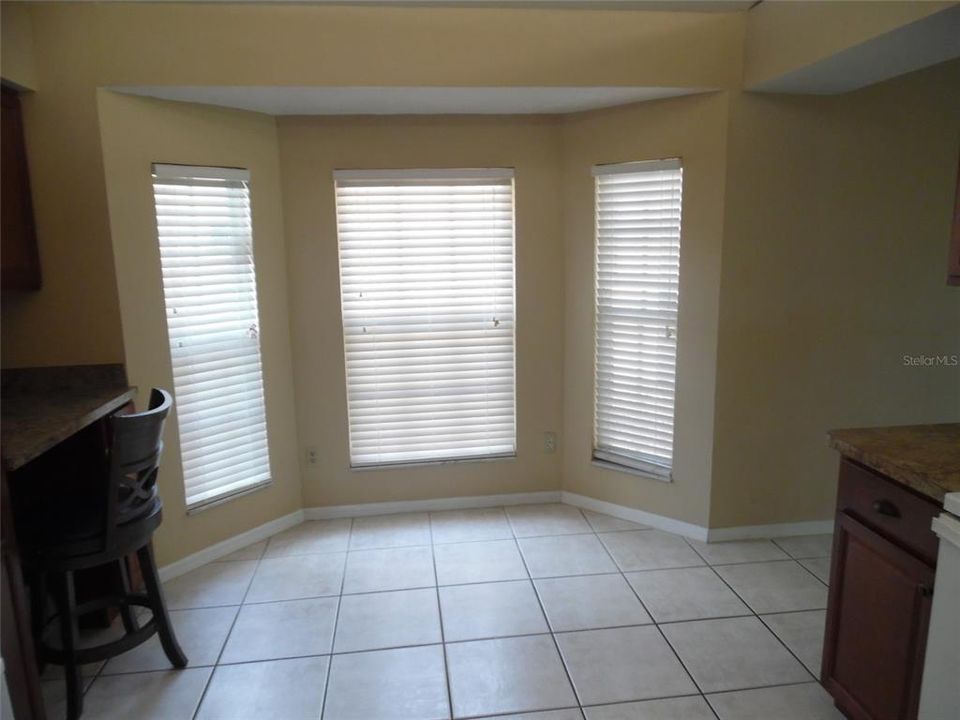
<point x="427" y="292"/>
<point x="637" y="294"/>
<point x="210" y="292"/>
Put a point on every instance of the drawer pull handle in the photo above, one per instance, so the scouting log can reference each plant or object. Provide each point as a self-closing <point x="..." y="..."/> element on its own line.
<point x="885" y="507"/>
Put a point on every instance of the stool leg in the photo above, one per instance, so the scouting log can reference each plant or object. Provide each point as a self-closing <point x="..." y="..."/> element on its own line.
<point x="38" y="612"/>
<point x="151" y="579"/>
<point x="126" y="612"/>
<point x="69" y="637"/>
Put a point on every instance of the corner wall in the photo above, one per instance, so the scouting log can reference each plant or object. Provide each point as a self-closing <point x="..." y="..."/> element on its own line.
<point x="135" y="133"/>
<point x="694" y="129"/>
<point x="310" y="149"/>
<point x="834" y="268"/>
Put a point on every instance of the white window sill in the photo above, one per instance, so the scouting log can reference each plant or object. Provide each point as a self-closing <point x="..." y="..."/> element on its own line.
<point x="646" y="474"/>
<point x="227" y="498"/>
<point x="429" y="463"/>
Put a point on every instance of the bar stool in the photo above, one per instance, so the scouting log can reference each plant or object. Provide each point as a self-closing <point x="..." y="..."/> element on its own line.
<point x="87" y="532"/>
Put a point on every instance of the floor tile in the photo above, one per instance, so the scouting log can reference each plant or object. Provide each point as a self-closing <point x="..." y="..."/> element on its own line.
<point x="791" y="702"/>
<point x="509" y="675"/>
<point x="487" y="561"/>
<point x="649" y="550"/>
<point x="282" y="630"/>
<point x="567" y="714"/>
<point x="738" y="551"/>
<point x="389" y="569"/>
<point x="775" y="586"/>
<point x="807" y="546"/>
<point x="146" y="696"/>
<point x="222" y="583"/>
<point x="383" y="531"/>
<point x="686" y="594"/>
<point x="250" y="552"/>
<point x="296" y="577"/>
<point x="588" y="602"/>
<point x="733" y="653"/>
<point x="388" y="620"/>
<point x="623" y="664"/>
<point x="289" y="689"/>
<point x="681" y="708"/>
<point x="388" y="685"/>
<point x="452" y="526"/>
<point x="474" y="612"/>
<point x="201" y="634"/>
<point x="607" y="523"/>
<point x="534" y="520"/>
<point x="313" y="536"/>
<point x="89" y="637"/>
<point x="565" y="555"/>
<point x="802" y="632"/>
<point x="819" y="567"/>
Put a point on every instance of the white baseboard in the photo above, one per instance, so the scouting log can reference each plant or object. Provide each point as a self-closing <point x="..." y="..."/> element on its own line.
<point x="237" y="542"/>
<point x="698" y="532"/>
<point x="660" y="522"/>
<point x="748" y="532"/>
<point x="451" y="503"/>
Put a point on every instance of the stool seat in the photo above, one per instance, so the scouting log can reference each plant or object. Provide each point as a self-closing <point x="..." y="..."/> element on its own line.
<point x="103" y="527"/>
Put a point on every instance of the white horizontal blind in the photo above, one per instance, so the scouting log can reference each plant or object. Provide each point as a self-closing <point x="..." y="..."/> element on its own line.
<point x="427" y="291"/>
<point x="637" y="286"/>
<point x="210" y="291"/>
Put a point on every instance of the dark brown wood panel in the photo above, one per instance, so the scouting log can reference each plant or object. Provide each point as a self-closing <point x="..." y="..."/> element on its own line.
<point x="877" y="619"/>
<point x="19" y="258"/>
<point x="894" y="511"/>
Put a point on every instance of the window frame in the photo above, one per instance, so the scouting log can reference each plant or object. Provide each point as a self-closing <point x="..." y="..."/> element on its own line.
<point x="643" y="466"/>
<point x="172" y="172"/>
<point x="414" y="175"/>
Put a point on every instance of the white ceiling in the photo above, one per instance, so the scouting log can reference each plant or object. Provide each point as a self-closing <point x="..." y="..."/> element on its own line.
<point x="309" y="100"/>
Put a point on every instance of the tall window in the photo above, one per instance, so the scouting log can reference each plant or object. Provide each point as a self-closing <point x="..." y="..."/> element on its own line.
<point x="210" y="291"/>
<point x="637" y="276"/>
<point x="427" y="285"/>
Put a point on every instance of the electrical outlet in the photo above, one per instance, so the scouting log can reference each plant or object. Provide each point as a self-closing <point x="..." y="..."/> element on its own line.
<point x="312" y="456"/>
<point x="550" y="442"/>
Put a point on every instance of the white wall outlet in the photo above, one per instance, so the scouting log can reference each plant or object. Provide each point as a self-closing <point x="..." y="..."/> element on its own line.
<point x="312" y="456"/>
<point x="549" y="442"/>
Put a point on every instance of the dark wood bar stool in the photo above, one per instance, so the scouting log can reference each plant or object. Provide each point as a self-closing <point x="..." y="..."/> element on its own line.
<point x="84" y="531"/>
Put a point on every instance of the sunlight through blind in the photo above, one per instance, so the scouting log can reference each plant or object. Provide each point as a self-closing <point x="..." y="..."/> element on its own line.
<point x="210" y="291"/>
<point x="427" y="291"/>
<point x="637" y="286"/>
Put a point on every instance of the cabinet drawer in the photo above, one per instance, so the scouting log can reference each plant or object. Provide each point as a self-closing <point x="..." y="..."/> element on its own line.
<point x="895" y="512"/>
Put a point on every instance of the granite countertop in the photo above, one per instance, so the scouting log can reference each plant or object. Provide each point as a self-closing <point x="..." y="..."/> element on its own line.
<point x="42" y="407"/>
<point x="925" y="458"/>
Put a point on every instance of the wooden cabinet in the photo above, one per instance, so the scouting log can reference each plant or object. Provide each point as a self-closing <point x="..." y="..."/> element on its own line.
<point x="19" y="259"/>
<point x="881" y="587"/>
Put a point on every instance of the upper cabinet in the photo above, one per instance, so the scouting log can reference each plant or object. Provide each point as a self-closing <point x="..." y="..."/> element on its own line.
<point x="19" y="259"/>
<point x="953" y="264"/>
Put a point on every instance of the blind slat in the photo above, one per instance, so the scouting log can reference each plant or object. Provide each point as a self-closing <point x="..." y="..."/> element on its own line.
<point x="638" y="208"/>
<point x="210" y="293"/>
<point x="427" y="295"/>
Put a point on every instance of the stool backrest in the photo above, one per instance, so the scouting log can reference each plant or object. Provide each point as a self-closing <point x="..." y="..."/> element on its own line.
<point x="135" y="449"/>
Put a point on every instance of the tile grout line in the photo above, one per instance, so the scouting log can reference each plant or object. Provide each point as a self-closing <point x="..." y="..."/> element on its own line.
<point x="443" y="642"/>
<point x="226" y="639"/>
<point x="536" y="592"/>
<point x="336" y="625"/>
<point x="758" y="617"/>
<point x="655" y="623"/>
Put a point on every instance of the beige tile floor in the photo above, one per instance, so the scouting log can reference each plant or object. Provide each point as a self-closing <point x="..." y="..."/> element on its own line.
<point x="538" y="612"/>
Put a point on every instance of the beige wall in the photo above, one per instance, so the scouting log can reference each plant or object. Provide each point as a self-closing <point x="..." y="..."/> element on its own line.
<point x="17" y="63"/>
<point x="135" y="133"/>
<point x="786" y="35"/>
<point x="694" y="129"/>
<point x="75" y="318"/>
<point x="310" y="149"/>
<point x="834" y="265"/>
